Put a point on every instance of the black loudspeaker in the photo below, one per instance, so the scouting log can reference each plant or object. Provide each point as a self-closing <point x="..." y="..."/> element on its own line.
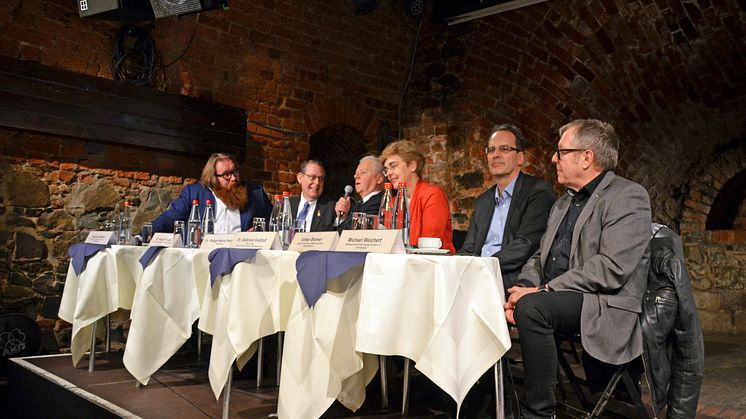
<point x="164" y="8"/>
<point x="122" y="10"/>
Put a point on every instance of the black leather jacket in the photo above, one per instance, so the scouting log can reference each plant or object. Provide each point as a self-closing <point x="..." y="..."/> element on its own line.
<point x="674" y="346"/>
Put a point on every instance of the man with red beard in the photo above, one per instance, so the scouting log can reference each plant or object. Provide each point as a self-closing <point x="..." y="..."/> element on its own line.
<point x="235" y="203"/>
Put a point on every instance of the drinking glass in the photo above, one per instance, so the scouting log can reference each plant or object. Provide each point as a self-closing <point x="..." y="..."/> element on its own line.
<point x="147" y="232"/>
<point x="299" y="226"/>
<point x="259" y="224"/>
<point x="359" y="221"/>
<point x="180" y="230"/>
<point x="372" y="222"/>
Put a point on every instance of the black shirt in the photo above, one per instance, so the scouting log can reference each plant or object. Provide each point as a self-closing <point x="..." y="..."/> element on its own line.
<point x="558" y="260"/>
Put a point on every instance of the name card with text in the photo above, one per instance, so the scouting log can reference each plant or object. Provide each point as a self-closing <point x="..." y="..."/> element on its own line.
<point x="264" y="240"/>
<point x="101" y="237"/>
<point x="215" y="241"/>
<point x="166" y="240"/>
<point x="320" y="240"/>
<point x="373" y="241"/>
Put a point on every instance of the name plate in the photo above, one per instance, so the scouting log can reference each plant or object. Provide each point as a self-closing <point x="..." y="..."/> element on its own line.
<point x="372" y="241"/>
<point x="263" y="240"/>
<point x="320" y="240"/>
<point x="214" y="241"/>
<point x="166" y="240"/>
<point x="101" y="237"/>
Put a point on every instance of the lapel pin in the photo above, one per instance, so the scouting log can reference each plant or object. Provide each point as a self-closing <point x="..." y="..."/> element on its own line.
<point x="318" y="213"/>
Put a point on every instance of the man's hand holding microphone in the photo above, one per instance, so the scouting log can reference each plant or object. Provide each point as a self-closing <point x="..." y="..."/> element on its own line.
<point x="342" y="208"/>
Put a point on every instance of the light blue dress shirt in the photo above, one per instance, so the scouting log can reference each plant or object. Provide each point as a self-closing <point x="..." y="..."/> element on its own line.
<point x="494" y="241"/>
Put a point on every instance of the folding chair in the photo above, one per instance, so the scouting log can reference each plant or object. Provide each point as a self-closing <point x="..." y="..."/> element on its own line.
<point x="621" y="373"/>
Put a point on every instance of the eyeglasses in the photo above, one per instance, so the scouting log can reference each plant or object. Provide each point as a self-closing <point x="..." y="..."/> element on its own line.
<point x="312" y="177"/>
<point x="503" y="149"/>
<point x="227" y="175"/>
<point x="559" y="151"/>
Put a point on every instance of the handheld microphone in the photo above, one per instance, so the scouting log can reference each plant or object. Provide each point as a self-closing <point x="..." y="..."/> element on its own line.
<point x="348" y="191"/>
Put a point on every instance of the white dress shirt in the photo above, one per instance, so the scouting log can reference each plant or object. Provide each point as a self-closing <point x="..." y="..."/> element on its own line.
<point x="226" y="220"/>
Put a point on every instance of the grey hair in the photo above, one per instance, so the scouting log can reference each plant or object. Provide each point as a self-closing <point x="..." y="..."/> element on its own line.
<point x="520" y="140"/>
<point x="597" y="136"/>
<point x="377" y="165"/>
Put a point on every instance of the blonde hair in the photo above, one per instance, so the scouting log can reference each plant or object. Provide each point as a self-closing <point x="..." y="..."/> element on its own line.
<point x="408" y="151"/>
<point x="208" y="177"/>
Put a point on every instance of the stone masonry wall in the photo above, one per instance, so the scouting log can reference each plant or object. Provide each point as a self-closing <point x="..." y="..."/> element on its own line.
<point x="669" y="74"/>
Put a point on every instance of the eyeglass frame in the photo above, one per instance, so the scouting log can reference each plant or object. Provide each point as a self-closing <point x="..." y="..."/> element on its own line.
<point x="558" y="151"/>
<point x="312" y="177"/>
<point x="503" y="149"/>
<point x="227" y="175"/>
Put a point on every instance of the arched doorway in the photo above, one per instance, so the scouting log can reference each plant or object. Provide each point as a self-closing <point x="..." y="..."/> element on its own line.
<point x="726" y="212"/>
<point x="338" y="147"/>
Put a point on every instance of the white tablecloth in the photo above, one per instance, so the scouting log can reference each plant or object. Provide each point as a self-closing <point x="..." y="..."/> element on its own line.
<point x="107" y="283"/>
<point x="444" y="313"/>
<point x="166" y="304"/>
<point x="319" y="362"/>
<point x="252" y="302"/>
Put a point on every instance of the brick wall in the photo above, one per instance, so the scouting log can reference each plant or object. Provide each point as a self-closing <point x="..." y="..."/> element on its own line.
<point x="668" y="74"/>
<point x="300" y="69"/>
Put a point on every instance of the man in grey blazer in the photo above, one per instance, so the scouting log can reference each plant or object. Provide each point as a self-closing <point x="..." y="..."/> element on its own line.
<point x="314" y="208"/>
<point x="510" y="217"/>
<point x="590" y="272"/>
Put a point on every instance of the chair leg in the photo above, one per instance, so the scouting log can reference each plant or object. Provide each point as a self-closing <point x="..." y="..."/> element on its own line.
<point x="574" y="351"/>
<point x="259" y="359"/>
<point x="573" y="379"/>
<point x="384" y="381"/>
<point x="642" y="412"/>
<point x="405" y="389"/>
<point x="608" y="391"/>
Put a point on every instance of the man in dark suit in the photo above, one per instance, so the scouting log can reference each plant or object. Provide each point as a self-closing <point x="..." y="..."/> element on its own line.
<point x="369" y="185"/>
<point x="314" y="208"/>
<point x="508" y="221"/>
<point x="235" y="203"/>
<point x="510" y="217"/>
<point x="594" y="254"/>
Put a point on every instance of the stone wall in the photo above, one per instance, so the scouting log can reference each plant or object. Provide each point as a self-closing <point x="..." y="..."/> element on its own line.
<point x="46" y="206"/>
<point x="717" y="263"/>
<point x="670" y="75"/>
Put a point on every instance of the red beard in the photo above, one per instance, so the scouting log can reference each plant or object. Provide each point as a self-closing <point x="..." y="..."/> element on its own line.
<point x="234" y="197"/>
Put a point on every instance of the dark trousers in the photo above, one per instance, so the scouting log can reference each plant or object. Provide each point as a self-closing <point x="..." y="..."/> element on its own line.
<point x="539" y="316"/>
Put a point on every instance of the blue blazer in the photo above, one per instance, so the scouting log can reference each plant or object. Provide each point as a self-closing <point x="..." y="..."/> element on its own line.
<point x="257" y="206"/>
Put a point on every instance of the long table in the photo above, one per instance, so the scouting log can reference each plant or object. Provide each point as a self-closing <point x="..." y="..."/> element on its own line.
<point x="444" y="313"/>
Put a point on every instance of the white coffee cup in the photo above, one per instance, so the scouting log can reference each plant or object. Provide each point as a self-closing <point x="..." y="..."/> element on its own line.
<point x="429" y="243"/>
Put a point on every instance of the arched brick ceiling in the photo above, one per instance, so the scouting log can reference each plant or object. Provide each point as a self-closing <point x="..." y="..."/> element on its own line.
<point x="669" y="74"/>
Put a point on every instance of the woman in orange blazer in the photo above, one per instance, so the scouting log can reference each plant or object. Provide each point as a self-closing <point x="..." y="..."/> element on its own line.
<point x="429" y="212"/>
